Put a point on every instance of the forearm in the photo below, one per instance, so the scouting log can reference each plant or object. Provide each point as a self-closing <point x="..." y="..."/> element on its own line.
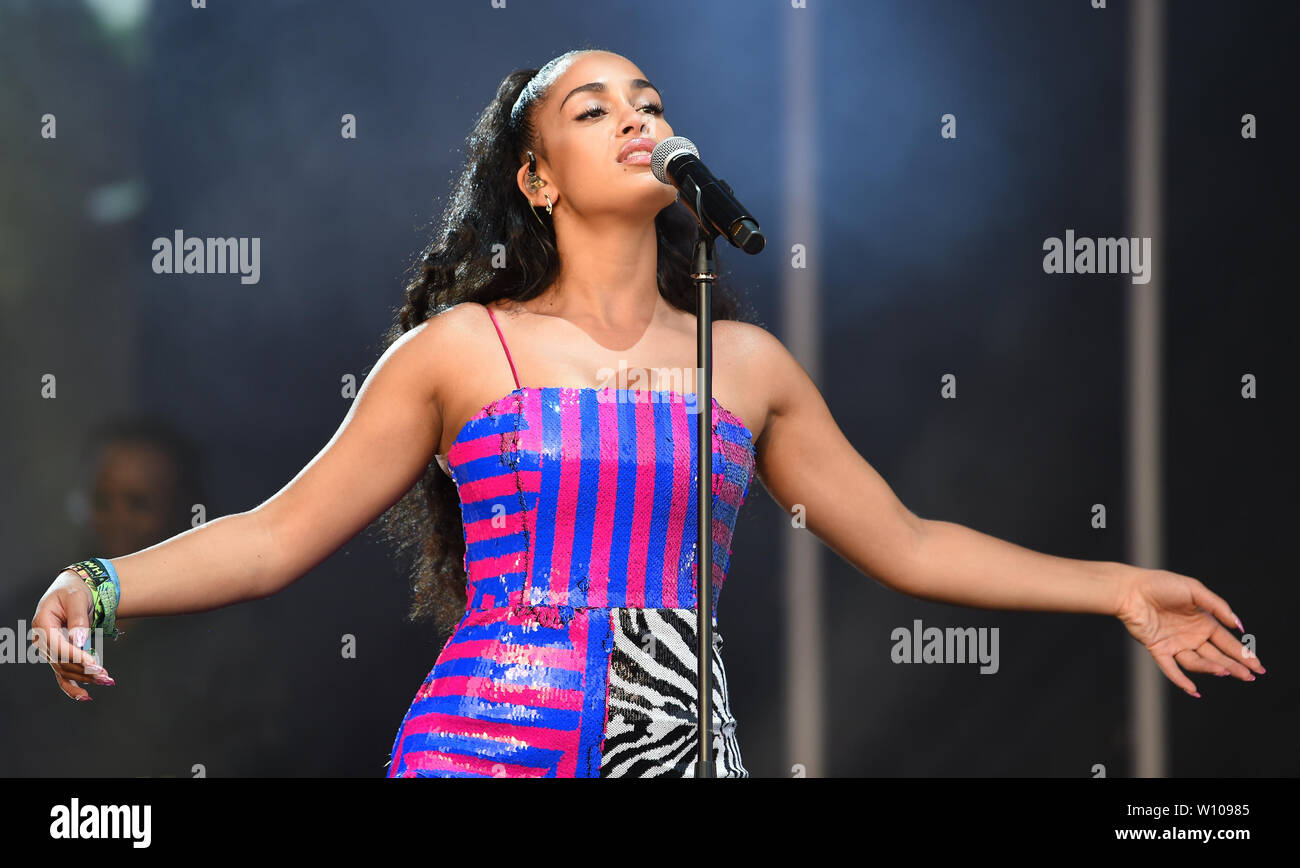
<point x="225" y="561"/>
<point x="956" y="564"/>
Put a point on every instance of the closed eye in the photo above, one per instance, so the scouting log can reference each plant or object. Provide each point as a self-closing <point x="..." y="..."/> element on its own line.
<point x="655" y="109"/>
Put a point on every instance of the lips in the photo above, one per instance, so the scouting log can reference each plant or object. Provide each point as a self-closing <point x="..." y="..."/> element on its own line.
<point x="631" y="146"/>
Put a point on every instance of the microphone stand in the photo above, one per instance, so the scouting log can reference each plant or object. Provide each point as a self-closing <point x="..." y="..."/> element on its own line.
<point x="704" y="276"/>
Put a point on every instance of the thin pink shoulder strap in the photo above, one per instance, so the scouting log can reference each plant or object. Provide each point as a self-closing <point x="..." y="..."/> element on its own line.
<point x="504" y="347"/>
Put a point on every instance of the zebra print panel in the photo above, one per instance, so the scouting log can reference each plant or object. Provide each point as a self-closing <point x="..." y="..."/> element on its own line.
<point x="651" y="720"/>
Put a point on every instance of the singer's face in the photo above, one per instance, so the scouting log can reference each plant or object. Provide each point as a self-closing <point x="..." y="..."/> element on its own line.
<point x="598" y="104"/>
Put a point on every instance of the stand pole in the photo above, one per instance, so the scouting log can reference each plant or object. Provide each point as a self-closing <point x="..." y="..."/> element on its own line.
<point x="704" y="277"/>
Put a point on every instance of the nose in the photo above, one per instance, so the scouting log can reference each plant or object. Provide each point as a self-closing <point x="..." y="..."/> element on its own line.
<point x="638" y="119"/>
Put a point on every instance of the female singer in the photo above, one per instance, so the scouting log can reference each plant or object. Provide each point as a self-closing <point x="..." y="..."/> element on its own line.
<point x="554" y="530"/>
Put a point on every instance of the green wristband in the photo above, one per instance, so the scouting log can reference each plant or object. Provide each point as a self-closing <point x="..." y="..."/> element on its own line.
<point x="100" y="577"/>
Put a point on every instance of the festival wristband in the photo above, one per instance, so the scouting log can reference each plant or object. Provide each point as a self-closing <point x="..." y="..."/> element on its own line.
<point x="105" y="589"/>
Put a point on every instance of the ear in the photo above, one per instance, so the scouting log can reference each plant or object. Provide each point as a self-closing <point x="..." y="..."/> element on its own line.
<point x="529" y="193"/>
<point x="521" y="177"/>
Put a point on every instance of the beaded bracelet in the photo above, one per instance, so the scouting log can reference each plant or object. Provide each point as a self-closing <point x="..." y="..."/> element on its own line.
<point x="105" y="588"/>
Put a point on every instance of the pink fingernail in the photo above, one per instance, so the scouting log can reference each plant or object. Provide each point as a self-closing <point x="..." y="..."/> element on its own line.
<point x="1197" y="695"/>
<point x="84" y="698"/>
<point x="92" y="669"/>
<point x="105" y="680"/>
<point x="79" y="635"/>
<point x="1239" y="627"/>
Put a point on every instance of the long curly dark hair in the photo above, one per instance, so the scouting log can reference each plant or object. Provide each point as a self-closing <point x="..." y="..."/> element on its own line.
<point x="486" y="209"/>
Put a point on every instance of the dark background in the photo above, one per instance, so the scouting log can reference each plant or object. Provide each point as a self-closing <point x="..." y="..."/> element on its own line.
<point x="224" y="122"/>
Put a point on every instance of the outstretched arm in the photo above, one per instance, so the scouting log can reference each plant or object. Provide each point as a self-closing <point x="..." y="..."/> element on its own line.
<point x="380" y="449"/>
<point x="806" y="464"/>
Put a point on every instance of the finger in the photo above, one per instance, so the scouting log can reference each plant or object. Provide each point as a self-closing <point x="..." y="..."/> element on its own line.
<point x="1194" y="662"/>
<point x="72" y="672"/>
<point x="1222" y="663"/>
<point x="72" y="690"/>
<point x="62" y="654"/>
<point x="79" y="606"/>
<point x="46" y="635"/>
<point x="1234" y="650"/>
<point x="65" y="652"/>
<point x="1212" y="603"/>
<point x="1174" y="674"/>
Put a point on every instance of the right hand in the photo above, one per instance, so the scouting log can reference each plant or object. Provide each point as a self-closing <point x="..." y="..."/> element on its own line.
<point x="67" y="606"/>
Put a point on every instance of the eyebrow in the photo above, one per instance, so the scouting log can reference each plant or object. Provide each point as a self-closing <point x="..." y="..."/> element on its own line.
<point x="599" y="87"/>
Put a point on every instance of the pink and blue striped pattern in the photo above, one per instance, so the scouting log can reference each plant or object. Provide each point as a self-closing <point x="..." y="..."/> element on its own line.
<point x="575" y="502"/>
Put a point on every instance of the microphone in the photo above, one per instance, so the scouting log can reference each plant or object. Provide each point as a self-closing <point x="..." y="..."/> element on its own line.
<point x="675" y="161"/>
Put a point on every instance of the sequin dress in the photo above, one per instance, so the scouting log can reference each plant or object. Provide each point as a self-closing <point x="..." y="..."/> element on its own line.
<point x="576" y="655"/>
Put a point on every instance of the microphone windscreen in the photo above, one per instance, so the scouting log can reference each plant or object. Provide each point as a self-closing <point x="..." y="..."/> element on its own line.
<point x="665" y="151"/>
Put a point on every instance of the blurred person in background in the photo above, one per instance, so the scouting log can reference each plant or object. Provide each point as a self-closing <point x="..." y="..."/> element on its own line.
<point x="144" y="483"/>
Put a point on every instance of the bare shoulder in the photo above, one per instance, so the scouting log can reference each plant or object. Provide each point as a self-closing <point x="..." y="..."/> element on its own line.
<point x="437" y="357"/>
<point x="449" y="340"/>
<point x="463" y="362"/>
<point x="748" y="343"/>
<point x="465" y="320"/>
<point x="751" y="349"/>
<point x="757" y="364"/>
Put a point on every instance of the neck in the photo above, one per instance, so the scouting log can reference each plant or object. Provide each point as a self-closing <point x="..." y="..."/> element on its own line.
<point x="607" y="277"/>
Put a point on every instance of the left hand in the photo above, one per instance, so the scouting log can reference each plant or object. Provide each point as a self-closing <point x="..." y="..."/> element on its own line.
<point x="1173" y="616"/>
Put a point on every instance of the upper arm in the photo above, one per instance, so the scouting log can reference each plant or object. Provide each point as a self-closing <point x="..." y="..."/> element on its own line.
<point x="804" y="460"/>
<point x="382" y="447"/>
